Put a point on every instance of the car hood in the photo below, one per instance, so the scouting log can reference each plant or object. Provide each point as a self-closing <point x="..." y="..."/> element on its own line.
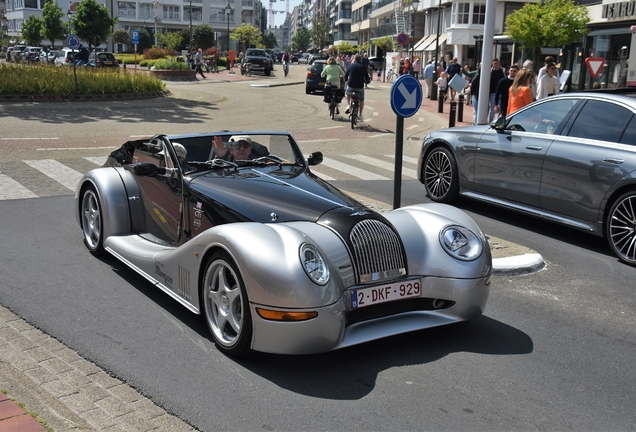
<point x="270" y="195"/>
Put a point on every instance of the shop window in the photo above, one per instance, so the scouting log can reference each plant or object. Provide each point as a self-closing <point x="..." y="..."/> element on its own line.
<point x="602" y="121"/>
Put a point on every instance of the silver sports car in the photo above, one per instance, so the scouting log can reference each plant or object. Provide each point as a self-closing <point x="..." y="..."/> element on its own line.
<point x="235" y="227"/>
<point x="569" y="158"/>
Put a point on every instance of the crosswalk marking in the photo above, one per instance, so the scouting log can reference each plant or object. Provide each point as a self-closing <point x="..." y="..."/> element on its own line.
<point x="341" y="167"/>
<point x="57" y="171"/>
<point x="351" y="170"/>
<point x="381" y="164"/>
<point x="11" y="189"/>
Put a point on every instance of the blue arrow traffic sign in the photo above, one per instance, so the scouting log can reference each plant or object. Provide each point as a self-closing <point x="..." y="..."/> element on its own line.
<point x="406" y="96"/>
<point x="72" y="42"/>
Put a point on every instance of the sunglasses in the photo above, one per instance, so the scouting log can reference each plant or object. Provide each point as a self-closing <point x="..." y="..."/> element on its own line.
<point x="244" y="145"/>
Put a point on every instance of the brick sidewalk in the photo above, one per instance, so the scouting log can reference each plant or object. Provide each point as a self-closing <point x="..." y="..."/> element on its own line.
<point x="432" y="107"/>
<point x="14" y="419"/>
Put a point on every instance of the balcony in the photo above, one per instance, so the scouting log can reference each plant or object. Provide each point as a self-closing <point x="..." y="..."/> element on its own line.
<point x="387" y="29"/>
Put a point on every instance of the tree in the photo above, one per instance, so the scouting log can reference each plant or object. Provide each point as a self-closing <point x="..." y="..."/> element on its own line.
<point x="32" y="30"/>
<point x="345" y="48"/>
<point x="247" y="34"/>
<point x="122" y="37"/>
<point x="202" y="36"/>
<point x="52" y="25"/>
<point x="385" y="44"/>
<point x="185" y="38"/>
<point x="270" y="41"/>
<point x="92" y="22"/>
<point x="301" y="40"/>
<point x="320" y="32"/>
<point x="365" y="47"/>
<point x="170" y="40"/>
<point x="145" y="40"/>
<point x="552" y="24"/>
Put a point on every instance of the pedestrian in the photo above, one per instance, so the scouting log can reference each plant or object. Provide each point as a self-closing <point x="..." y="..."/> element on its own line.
<point x="544" y="69"/>
<point x="501" y="94"/>
<point x="441" y="85"/>
<point x="528" y="64"/>
<point x="453" y="69"/>
<point x="416" y="68"/>
<point x="520" y="93"/>
<point x="407" y="66"/>
<point x="474" y="92"/>
<point x="401" y="68"/>
<point x="428" y="77"/>
<point x="496" y="74"/>
<point x="365" y="63"/>
<point x="548" y="84"/>
<point x="199" y="62"/>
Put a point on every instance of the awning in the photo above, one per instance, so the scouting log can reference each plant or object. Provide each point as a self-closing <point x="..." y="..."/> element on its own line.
<point x="431" y="45"/>
<point x="424" y="42"/>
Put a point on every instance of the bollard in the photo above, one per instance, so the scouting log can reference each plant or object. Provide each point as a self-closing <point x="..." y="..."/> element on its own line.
<point x="460" y="109"/>
<point x="124" y="65"/>
<point x="451" y="115"/>
<point x="440" y="102"/>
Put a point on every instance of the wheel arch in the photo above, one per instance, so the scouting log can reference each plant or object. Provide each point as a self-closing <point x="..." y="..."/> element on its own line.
<point x="437" y="143"/>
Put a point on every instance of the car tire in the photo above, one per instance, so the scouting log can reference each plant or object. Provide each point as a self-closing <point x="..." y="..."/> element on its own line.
<point x="225" y="306"/>
<point x="621" y="228"/>
<point x="307" y="91"/>
<point x="440" y="176"/>
<point x="92" y="221"/>
<point x="268" y="72"/>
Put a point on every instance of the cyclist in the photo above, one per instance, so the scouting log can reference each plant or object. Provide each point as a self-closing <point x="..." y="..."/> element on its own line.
<point x="334" y="74"/>
<point x="286" y="60"/>
<point x="356" y="76"/>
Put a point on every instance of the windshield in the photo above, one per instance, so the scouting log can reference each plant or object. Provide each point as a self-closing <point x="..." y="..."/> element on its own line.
<point x="241" y="148"/>
<point x="256" y="53"/>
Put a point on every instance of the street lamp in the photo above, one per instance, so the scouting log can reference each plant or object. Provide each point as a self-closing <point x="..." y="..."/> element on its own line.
<point x="414" y="4"/>
<point x="190" y="68"/>
<point x="69" y="15"/>
<point x="228" y="11"/>
<point x="434" y="84"/>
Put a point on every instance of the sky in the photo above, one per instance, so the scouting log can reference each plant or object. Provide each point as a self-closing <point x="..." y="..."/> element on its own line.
<point x="280" y="5"/>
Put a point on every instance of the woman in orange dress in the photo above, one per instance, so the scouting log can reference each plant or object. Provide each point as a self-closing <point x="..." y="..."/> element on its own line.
<point x="520" y="94"/>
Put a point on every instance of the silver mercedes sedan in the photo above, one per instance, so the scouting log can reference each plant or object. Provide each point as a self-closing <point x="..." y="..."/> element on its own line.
<point x="569" y="158"/>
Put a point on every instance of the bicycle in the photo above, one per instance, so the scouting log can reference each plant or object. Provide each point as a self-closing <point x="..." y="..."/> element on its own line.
<point x="332" y="93"/>
<point x="353" y="115"/>
<point x="390" y="75"/>
<point x="211" y="66"/>
<point x="246" y="69"/>
<point x="286" y="68"/>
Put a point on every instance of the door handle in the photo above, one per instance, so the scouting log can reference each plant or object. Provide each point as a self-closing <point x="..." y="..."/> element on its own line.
<point x="535" y="148"/>
<point x="613" y="161"/>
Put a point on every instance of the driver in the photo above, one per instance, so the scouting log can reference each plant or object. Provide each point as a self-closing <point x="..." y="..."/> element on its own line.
<point x="244" y="149"/>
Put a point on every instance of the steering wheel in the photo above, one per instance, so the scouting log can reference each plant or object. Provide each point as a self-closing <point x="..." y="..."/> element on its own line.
<point x="516" y="127"/>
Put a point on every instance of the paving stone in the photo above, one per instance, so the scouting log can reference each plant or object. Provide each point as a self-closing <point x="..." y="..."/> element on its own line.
<point x="38" y="354"/>
<point x="105" y="380"/>
<point x="55" y="365"/>
<point x="9" y="333"/>
<point x="114" y="406"/>
<point x="78" y="403"/>
<point x="172" y="423"/>
<point x="136" y="421"/>
<point x="86" y="367"/>
<point x="94" y="392"/>
<point x="58" y="388"/>
<point x="51" y="344"/>
<point x="23" y="343"/>
<point x="147" y="408"/>
<point x="67" y="355"/>
<point x="125" y="393"/>
<point x="20" y="325"/>
<point x="40" y="375"/>
<point x="17" y="359"/>
<point x="74" y="378"/>
<point x="98" y="418"/>
<point x="35" y="335"/>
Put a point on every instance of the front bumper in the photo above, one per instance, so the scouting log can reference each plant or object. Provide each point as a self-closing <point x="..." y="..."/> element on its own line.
<point x="330" y="329"/>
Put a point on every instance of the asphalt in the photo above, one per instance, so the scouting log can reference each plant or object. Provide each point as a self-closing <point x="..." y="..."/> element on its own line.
<point x="45" y="380"/>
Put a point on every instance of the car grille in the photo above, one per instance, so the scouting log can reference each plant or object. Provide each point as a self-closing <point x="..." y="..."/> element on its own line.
<point x="377" y="251"/>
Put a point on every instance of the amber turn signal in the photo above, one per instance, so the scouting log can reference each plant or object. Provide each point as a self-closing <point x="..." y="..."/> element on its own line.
<point x="285" y="315"/>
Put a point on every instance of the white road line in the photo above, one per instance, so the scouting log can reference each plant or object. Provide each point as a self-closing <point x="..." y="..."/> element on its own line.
<point x="380" y="135"/>
<point x="413" y="127"/>
<point x="11" y="189"/>
<point x="75" y="148"/>
<point x="139" y="136"/>
<point x="97" y="160"/>
<point x="375" y="113"/>
<point x="20" y="139"/>
<point x="420" y="119"/>
<point x="351" y="170"/>
<point x="322" y="176"/>
<point x="381" y="164"/>
<point x="57" y="171"/>
<point x="405" y="158"/>
<point x="319" y="140"/>
<point x="330" y="127"/>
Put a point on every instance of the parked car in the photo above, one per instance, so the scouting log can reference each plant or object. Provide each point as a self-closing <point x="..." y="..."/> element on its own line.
<point x="259" y="60"/>
<point x="16" y="53"/>
<point x="65" y="57"/>
<point x="102" y="59"/>
<point x="303" y="60"/>
<point x="51" y="55"/>
<point x="313" y="81"/>
<point x="568" y="158"/>
<point x="376" y="62"/>
<point x="274" y="258"/>
<point x="31" y="54"/>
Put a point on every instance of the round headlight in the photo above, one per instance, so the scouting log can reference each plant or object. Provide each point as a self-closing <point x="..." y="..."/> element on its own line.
<point x="314" y="264"/>
<point x="461" y="243"/>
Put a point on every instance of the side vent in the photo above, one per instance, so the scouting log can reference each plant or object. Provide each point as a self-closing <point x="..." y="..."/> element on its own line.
<point x="184" y="284"/>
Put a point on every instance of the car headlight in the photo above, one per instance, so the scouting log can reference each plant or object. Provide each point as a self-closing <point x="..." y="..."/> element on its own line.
<point x="314" y="264"/>
<point x="461" y="243"/>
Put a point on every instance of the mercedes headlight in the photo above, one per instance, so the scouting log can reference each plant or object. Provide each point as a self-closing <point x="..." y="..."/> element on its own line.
<point x="461" y="243"/>
<point x="314" y="264"/>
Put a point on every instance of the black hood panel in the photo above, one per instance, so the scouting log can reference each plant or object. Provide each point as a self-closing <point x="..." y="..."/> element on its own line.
<point x="271" y="194"/>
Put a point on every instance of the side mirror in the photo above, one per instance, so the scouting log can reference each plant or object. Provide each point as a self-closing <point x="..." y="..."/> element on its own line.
<point x="145" y="169"/>
<point x="500" y="124"/>
<point x="314" y="159"/>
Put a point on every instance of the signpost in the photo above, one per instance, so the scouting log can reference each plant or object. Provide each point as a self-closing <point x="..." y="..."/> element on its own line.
<point x="406" y="99"/>
<point x="73" y="43"/>
<point x="594" y="65"/>
<point x="135" y="41"/>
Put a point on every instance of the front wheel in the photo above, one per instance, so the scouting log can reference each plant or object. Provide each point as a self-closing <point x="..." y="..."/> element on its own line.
<point x="621" y="228"/>
<point x="225" y="305"/>
<point x="440" y="176"/>
<point x="268" y="72"/>
<point x="354" y="114"/>
<point x="92" y="221"/>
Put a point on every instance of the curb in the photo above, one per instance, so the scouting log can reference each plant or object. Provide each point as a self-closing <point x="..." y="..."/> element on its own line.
<point x="276" y="84"/>
<point x="84" y="98"/>
<point x="518" y="265"/>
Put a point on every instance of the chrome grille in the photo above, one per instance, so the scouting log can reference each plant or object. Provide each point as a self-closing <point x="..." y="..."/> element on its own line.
<point x="377" y="251"/>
